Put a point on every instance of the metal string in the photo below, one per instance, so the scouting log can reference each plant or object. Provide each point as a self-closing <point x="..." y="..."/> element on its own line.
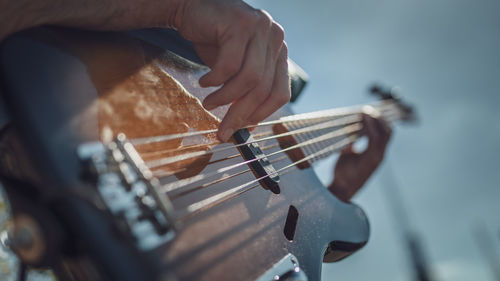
<point x="328" y="124"/>
<point x="320" y="126"/>
<point x="235" y="191"/>
<point x="338" y="112"/>
<point x="336" y="133"/>
<point x="190" y="190"/>
<point x="162" y="173"/>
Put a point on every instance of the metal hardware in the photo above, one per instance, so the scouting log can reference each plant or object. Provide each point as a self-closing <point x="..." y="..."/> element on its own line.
<point x="129" y="192"/>
<point x="25" y="239"/>
<point x="407" y="111"/>
<point x="287" y="269"/>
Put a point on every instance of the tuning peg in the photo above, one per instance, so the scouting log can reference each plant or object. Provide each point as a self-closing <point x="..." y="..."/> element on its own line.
<point x="384" y="94"/>
<point x="407" y="111"/>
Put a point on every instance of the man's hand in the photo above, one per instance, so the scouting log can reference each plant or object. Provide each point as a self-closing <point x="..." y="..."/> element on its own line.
<point x="246" y="52"/>
<point x="244" y="47"/>
<point x="353" y="169"/>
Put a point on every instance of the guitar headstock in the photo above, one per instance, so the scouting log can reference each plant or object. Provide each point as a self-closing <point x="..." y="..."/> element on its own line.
<point x="405" y="110"/>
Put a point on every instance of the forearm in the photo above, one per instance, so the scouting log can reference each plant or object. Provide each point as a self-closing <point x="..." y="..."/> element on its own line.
<point x="92" y="14"/>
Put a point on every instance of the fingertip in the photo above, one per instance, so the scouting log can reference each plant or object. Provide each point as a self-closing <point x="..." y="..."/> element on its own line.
<point x="224" y="134"/>
<point x="208" y="105"/>
<point x="205" y="80"/>
<point x="212" y="79"/>
<point x="369" y="126"/>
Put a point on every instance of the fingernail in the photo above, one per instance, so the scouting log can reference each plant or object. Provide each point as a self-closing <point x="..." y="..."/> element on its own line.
<point x="203" y="81"/>
<point x="226" y="134"/>
<point x="208" y="105"/>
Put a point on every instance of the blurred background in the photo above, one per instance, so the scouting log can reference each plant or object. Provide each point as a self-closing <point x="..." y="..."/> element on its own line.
<point x="440" y="182"/>
<point x="444" y="172"/>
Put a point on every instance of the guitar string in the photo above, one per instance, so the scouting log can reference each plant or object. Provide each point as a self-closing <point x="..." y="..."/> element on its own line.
<point x="320" y="126"/>
<point x="262" y="134"/>
<point x="205" y="185"/>
<point x="222" y="197"/>
<point x="231" y="193"/>
<point x="328" y="124"/>
<point x="288" y="119"/>
<point x="336" y="133"/>
<point x="338" y="112"/>
<point x="183" y="148"/>
<point x="163" y="173"/>
<point x="154" y="153"/>
<point x="264" y="148"/>
<point x="188" y="181"/>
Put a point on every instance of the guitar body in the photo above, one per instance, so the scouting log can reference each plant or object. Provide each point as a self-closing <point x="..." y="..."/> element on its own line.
<point x="67" y="87"/>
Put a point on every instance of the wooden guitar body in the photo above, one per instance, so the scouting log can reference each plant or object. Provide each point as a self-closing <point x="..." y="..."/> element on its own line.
<point x="65" y="87"/>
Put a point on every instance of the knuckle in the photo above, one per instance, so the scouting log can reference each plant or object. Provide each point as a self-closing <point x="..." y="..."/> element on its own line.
<point x="230" y="68"/>
<point x="278" y="32"/>
<point x="264" y="19"/>
<point x="255" y="119"/>
<point x="261" y="93"/>
<point x="252" y="79"/>
<point x="284" y="49"/>
<point x="246" y="20"/>
<point x="238" y="121"/>
<point x="282" y="98"/>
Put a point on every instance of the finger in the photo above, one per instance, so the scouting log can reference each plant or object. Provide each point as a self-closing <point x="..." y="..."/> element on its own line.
<point x="229" y="61"/>
<point x="386" y="129"/>
<point x="207" y="53"/>
<point x="280" y="91"/>
<point x="370" y="128"/>
<point x="237" y="116"/>
<point x="240" y="111"/>
<point x="348" y="150"/>
<point x="377" y="139"/>
<point x="383" y="129"/>
<point x="247" y="78"/>
<point x="375" y="145"/>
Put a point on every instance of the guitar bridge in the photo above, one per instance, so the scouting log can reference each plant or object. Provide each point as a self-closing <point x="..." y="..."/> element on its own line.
<point x="129" y="192"/>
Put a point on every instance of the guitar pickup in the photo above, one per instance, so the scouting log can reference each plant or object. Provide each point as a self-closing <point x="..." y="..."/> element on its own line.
<point x="261" y="167"/>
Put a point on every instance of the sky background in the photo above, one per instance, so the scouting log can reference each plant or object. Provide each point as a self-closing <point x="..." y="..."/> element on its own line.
<point x="444" y="55"/>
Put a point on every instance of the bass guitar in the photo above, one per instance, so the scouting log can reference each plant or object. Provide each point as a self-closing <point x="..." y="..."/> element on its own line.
<point x="128" y="179"/>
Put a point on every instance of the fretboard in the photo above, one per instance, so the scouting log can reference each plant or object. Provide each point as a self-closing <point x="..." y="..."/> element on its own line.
<point x="317" y="135"/>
